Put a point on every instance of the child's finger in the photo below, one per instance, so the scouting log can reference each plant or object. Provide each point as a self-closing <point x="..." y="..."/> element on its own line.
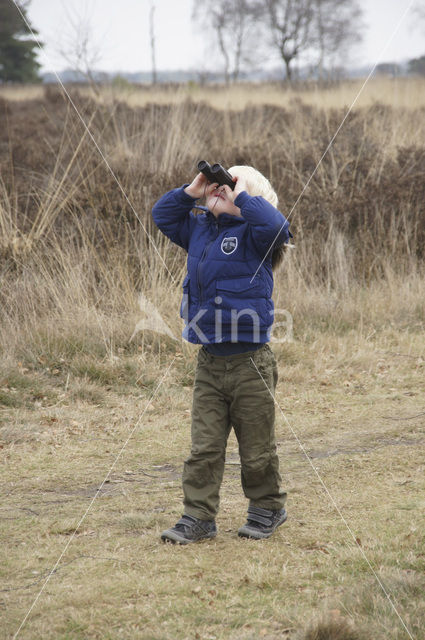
<point x="241" y="185"/>
<point x="211" y="187"/>
<point x="201" y="179"/>
<point x="229" y="192"/>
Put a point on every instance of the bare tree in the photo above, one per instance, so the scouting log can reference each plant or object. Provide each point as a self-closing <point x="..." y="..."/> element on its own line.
<point x="337" y="26"/>
<point x="418" y="9"/>
<point x="78" y="46"/>
<point x="290" y="24"/>
<point x="417" y="16"/>
<point x="230" y="23"/>
<point x="152" y="40"/>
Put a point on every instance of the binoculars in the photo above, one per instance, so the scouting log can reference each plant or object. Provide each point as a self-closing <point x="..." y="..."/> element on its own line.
<point x="216" y="173"/>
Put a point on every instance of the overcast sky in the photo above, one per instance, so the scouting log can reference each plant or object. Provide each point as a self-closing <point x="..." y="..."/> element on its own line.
<point x="120" y="33"/>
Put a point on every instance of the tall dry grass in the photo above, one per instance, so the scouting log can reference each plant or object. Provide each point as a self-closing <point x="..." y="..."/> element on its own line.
<point x="75" y="256"/>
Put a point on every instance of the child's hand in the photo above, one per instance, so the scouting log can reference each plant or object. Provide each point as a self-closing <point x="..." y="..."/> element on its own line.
<point x="240" y="186"/>
<point x="198" y="186"/>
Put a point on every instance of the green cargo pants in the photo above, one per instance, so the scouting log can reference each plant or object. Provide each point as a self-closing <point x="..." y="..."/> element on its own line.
<point x="228" y="391"/>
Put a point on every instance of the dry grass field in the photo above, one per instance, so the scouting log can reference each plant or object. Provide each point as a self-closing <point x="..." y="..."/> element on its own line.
<point x="395" y="92"/>
<point x="95" y="416"/>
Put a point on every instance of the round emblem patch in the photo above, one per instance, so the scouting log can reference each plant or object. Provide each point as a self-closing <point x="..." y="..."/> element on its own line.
<point x="229" y="245"/>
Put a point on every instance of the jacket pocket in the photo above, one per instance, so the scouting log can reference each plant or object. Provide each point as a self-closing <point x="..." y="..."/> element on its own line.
<point x="243" y="307"/>
<point x="241" y="287"/>
<point x="184" y="306"/>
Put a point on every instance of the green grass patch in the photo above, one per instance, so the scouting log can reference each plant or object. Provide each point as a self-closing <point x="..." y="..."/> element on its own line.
<point x="87" y="392"/>
<point x="119" y="374"/>
<point x="9" y="399"/>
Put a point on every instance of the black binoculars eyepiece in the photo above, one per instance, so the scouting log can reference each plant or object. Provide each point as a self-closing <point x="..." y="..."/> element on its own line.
<point x="216" y="173"/>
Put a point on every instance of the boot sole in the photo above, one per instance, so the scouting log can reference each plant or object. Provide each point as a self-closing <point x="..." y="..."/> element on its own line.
<point x="256" y="534"/>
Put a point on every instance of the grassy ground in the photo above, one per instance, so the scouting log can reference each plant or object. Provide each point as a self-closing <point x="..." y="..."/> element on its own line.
<point x="356" y="405"/>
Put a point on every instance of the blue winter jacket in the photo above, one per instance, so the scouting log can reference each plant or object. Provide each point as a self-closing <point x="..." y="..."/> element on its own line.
<point x="222" y="301"/>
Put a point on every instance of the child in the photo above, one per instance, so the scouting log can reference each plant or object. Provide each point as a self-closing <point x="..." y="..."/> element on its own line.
<point x="227" y="306"/>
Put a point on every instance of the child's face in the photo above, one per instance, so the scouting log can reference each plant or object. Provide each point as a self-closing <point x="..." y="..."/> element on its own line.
<point x="218" y="201"/>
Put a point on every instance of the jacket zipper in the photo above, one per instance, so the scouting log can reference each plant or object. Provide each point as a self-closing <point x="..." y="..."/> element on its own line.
<point x="204" y="254"/>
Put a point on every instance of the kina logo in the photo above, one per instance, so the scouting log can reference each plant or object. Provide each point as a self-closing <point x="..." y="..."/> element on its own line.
<point x="229" y="245"/>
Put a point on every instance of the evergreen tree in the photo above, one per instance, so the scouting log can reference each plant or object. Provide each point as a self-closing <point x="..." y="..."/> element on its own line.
<point x="18" y="50"/>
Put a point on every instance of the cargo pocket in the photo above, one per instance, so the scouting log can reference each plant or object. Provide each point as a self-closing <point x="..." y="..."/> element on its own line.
<point x="263" y="362"/>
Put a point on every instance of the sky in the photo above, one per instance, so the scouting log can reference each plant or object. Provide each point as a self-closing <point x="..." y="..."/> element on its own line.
<point x="119" y="33"/>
